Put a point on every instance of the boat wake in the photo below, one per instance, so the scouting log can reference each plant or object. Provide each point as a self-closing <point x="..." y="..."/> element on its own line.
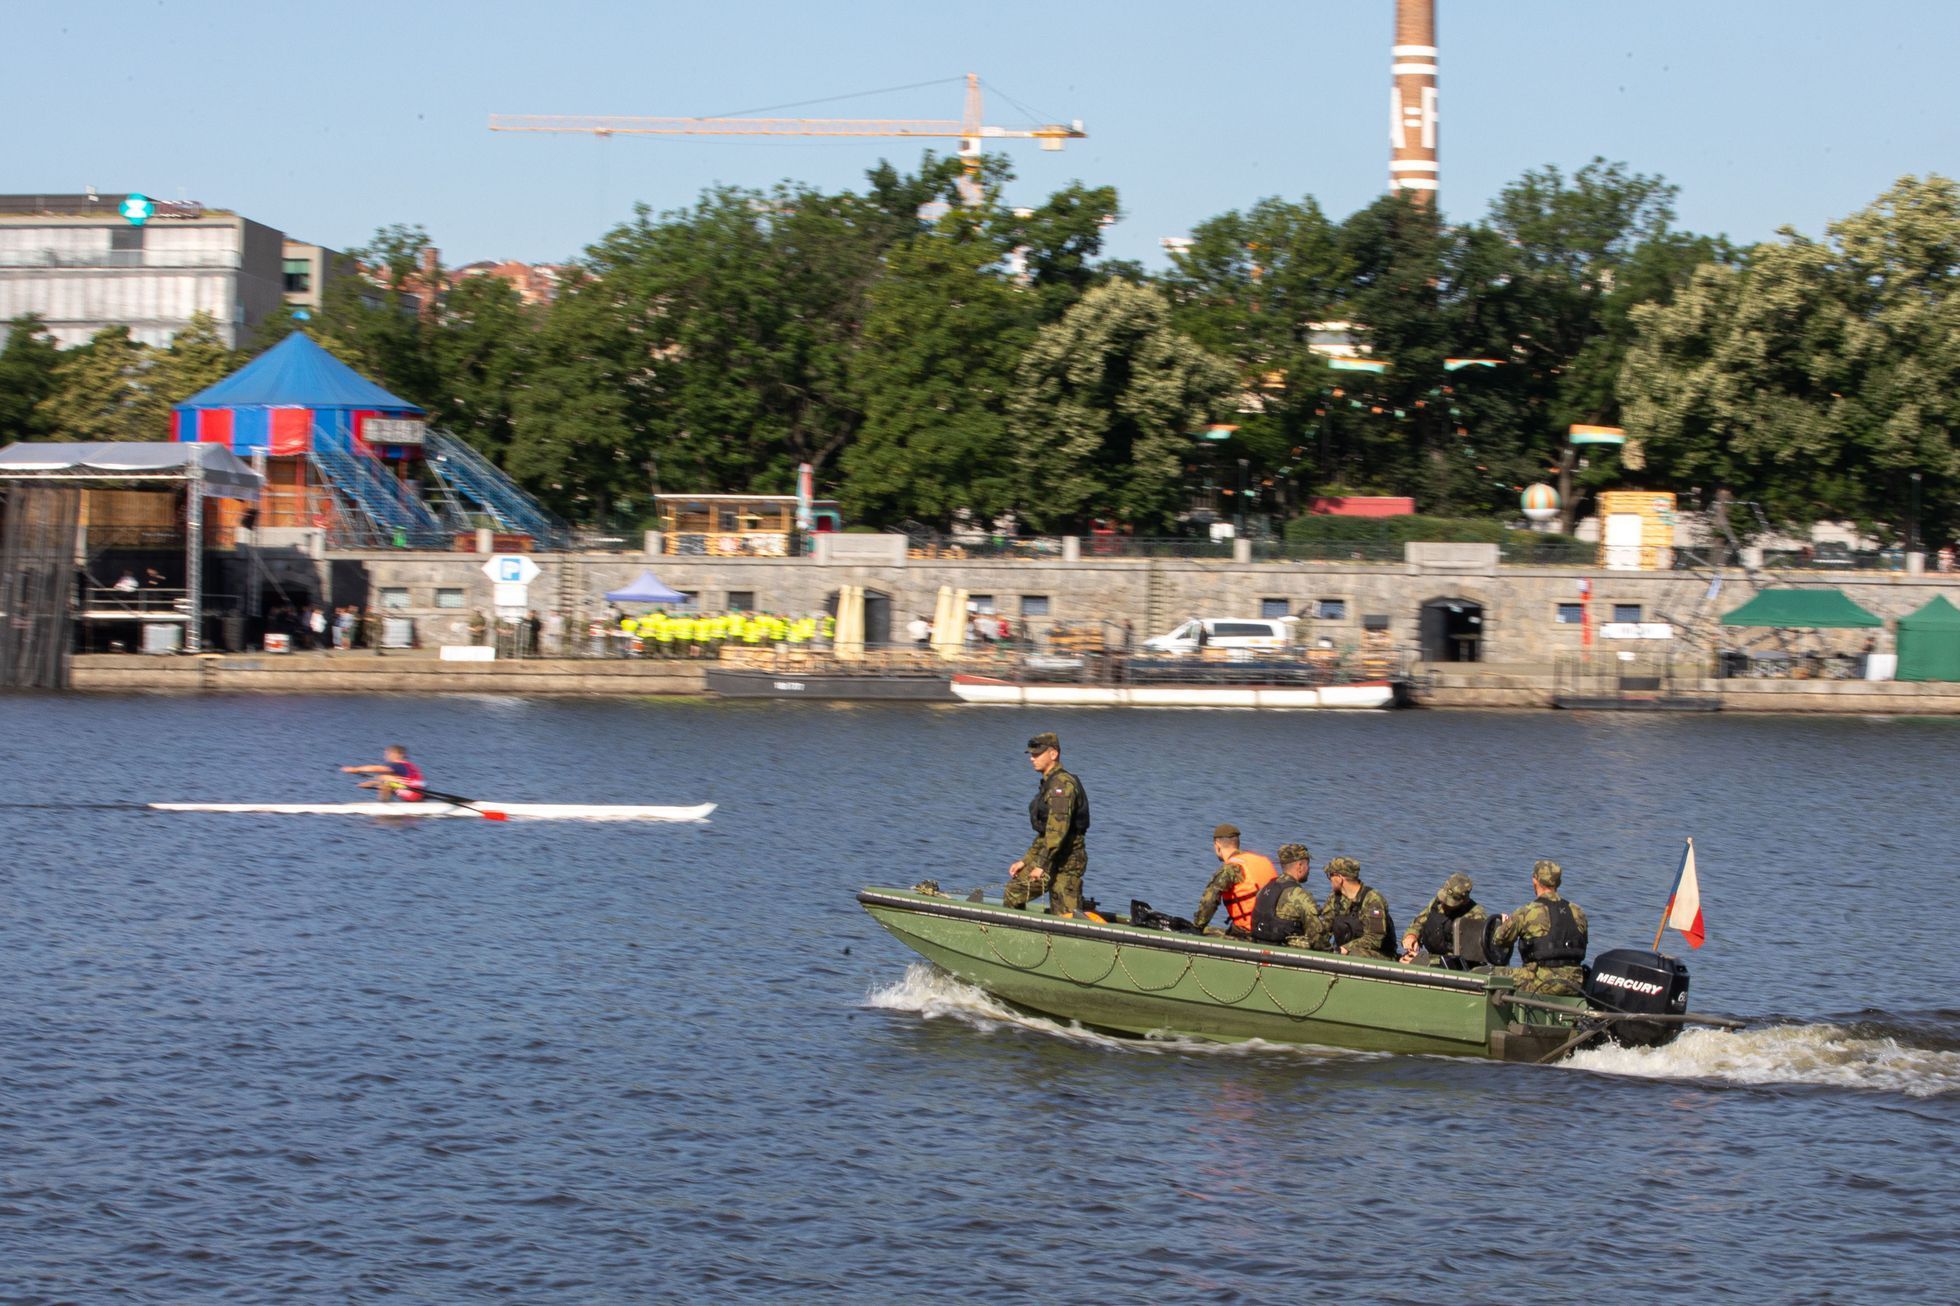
<point x="1876" y="1057"/>
<point x="933" y="994"/>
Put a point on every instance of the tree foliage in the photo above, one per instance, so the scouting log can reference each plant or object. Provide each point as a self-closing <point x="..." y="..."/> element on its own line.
<point x="27" y="376"/>
<point x="1105" y="408"/>
<point x="1819" y="375"/>
<point x="935" y="360"/>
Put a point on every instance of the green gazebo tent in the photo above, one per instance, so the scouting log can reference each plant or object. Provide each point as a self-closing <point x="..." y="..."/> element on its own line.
<point x="1929" y="642"/>
<point x="1801" y="610"/>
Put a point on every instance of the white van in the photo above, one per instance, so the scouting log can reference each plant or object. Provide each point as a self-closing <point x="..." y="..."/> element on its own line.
<point x="1237" y="633"/>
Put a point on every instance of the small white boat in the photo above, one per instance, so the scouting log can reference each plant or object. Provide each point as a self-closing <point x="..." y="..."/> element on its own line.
<point x="1361" y="695"/>
<point x="480" y="810"/>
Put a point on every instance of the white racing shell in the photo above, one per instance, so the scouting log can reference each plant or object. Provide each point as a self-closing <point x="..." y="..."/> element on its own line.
<point x="432" y="807"/>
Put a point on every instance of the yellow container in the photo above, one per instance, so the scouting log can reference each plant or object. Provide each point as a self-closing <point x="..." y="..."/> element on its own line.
<point x="1636" y="530"/>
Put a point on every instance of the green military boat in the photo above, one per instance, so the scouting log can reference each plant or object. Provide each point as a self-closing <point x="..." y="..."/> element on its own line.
<point x="1131" y="979"/>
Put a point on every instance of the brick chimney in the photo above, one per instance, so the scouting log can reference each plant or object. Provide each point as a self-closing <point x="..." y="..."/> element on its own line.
<point x="1412" y="102"/>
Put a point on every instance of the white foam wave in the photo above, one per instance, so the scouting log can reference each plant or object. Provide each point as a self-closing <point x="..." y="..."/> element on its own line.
<point x="933" y="993"/>
<point x="1831" y="1056"/>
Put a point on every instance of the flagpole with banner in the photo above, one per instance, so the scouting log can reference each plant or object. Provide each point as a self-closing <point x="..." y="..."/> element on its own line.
<point x="1683" y="910"/>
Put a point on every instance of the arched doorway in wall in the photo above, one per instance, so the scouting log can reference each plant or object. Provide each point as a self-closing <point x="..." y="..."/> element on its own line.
<point x="1452" y="630"/>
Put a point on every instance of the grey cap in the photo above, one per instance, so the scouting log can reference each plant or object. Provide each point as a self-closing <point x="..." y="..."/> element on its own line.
<point x="1226" y="831"/>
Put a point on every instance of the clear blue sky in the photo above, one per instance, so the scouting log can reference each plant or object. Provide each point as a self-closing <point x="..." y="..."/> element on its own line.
<point x="328" y="120"/>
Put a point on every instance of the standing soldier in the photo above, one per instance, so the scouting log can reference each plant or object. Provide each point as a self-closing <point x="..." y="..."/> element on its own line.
<point x="1451" y="926"/>
<point x="1285" y="912"/>
<point x="1356" y="915"/>
<point x="1236" y="883"/>
<point x="1059" y="854"/>
<point x="1551" y="937"/>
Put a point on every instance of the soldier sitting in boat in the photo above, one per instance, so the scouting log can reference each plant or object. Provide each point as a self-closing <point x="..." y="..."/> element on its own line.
<point x="1285" y="911"/>
<point x="1356" y="915"/>
<point x="1236" y="883"/>
<point x="1450" y="930"/>
<point x="1551" y="937"/>
<point x="1059" y="856"/>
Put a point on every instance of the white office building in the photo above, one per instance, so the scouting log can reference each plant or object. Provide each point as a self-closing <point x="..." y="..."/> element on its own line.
<point x="81" y="265"/>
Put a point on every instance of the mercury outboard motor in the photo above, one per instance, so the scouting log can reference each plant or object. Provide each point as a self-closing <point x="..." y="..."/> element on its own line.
<point x="1631" y="980"/>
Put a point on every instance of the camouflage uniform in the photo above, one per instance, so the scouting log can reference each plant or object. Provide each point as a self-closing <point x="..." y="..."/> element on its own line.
<point x="1454" y="893"/>
<point x="1369" y="905"/>
<point x="1534" y="921"/>
<point x="1222" y="879"/>
<point x="1059" y="849"/>
<point x="1296" y="904"/>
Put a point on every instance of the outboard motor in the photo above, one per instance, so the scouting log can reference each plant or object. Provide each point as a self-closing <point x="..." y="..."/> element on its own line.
<point x="1630" y="979"/>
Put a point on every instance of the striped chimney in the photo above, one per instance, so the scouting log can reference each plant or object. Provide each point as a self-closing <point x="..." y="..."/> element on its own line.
<point x="1412" y="102"/>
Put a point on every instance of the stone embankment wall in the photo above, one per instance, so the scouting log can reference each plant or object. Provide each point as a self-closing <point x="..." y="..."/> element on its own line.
<point x="1520" y="605"/>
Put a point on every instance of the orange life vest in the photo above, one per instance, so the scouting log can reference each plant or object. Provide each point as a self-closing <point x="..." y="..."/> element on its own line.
<point x="1255" y="873"/>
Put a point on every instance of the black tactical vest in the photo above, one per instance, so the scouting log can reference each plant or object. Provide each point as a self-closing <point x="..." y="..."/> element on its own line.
<point x="1044" y="795"/>
<point x="1438" y="935"/>
<point x="1563" y="945"/>
<point x="1266" y="927"/>
<point x="1347" y="926"/>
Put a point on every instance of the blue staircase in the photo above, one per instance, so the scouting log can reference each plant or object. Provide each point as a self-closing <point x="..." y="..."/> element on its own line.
<point x="381" y="507"/>
<point x="472" y="477"/>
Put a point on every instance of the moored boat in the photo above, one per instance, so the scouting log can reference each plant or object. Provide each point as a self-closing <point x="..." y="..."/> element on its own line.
<point x="1128" y="978"/>
<point x="989" y="689"/>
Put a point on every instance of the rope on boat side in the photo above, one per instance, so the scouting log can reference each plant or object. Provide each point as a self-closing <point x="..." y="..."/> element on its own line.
<point x="1062" y="966"/>
<point x="1047" y="946"/>
<point x="1230" y="1002"/>
<point x="1179" y="979"/>
<point x="1325" y="993"/>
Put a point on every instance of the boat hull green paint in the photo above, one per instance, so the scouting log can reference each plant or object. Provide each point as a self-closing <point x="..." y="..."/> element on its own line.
<point x="1143" y="982"/>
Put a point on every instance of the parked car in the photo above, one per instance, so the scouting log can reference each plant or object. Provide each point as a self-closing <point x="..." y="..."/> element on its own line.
<point x="1252" y="633"/>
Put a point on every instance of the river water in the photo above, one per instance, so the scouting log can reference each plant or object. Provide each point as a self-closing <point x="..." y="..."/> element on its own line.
<point x="343" y="1059"/>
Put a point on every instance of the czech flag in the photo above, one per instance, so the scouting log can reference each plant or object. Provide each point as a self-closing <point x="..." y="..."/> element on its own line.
<point x="1684" y="908"/>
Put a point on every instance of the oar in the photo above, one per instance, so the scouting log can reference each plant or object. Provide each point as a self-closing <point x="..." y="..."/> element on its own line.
<point x="486" y="813"/>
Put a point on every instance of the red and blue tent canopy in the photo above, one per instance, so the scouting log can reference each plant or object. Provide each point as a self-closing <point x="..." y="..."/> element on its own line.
<point x="290" y="399"/>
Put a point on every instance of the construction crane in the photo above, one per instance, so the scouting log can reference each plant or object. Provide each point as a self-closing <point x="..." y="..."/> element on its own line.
<point x="969" y="130"/>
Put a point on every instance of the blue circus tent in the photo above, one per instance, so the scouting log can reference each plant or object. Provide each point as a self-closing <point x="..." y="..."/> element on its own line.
<point x="293" y="399"/>
<point x="645" y="588"/>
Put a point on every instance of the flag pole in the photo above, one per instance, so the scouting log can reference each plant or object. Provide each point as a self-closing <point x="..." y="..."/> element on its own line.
<point x="1665" y="911"/>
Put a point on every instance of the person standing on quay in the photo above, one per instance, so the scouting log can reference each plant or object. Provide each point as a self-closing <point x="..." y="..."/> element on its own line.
<point x="1060" y="851"/>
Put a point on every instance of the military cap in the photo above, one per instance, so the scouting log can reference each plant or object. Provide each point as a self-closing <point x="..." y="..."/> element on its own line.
<point x="1547" y="873"/>
<point x="1344" y="866"/>
<point x="1292" y="852"/>
<point x="1226" y="831"/>
<point x="1455" y="890"/>
<point x="1042" y="742"/>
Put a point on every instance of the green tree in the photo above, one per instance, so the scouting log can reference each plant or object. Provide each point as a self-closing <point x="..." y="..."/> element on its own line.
<point x="483" y="346"/>
<point x="1256" y="288"/>
<point x="942" y="336"/>
<point x="196" y="357"/>
<point x="98" y="392"/>
<point x="1820" y="376"/>
<point x="27" y="377"/>
<point x="1104" y="410"/>
<point x="382" y="324"/>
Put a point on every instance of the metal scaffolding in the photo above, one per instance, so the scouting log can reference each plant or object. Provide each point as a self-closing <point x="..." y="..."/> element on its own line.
<point x="203" y="470"/>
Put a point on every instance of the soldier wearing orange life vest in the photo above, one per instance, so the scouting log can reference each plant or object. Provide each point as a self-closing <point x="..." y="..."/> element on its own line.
<point x="1236" y="883"/>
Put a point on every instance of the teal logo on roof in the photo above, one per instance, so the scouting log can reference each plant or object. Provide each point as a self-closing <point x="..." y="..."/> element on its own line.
<point x="139" y="209"/>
